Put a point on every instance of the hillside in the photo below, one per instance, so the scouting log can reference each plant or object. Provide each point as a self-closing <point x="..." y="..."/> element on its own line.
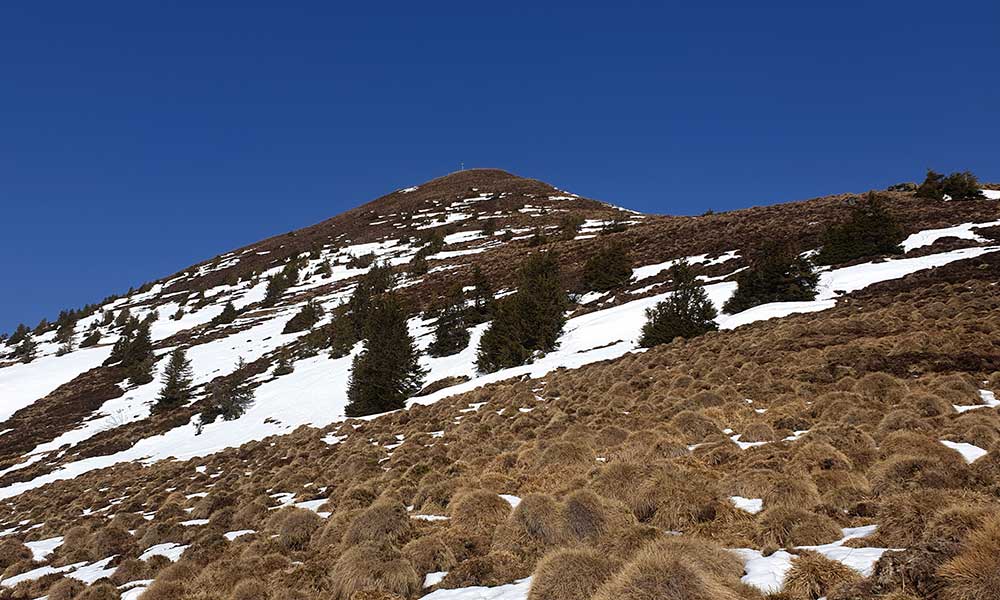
<point x="845" y="446"/>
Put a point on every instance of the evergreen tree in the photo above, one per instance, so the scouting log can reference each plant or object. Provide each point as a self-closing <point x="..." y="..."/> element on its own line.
<point x="450" y="333"/>
<point x="228" y="315"/>
<point x="528" y="321"/>
<point x="608" y="269"/>
<point x="229" y="397"/>
<point x="27" y="350"/>
<point x="570" y="226"/>
<point x="176" y="382"/>
<point x="377" y="281"/>
<point x="342" y="336"/>
<point x="777" y="273"/>
<point x="483" y="299"/>
<point x="325" y="270"/>
<point x="92" y="339"/>
<point x="123" y="317"/>
<point x="957" y="186"/>
<point x="19" y="334"/>
<point x="284" y="366"/>
<point x="305" y="318"/>
<point x="870" y="231"/>
<point x="419" y="266"/>
<point x="42" y="327"/>
<point x="686" y="313"/>
<point x="387" y="371"/>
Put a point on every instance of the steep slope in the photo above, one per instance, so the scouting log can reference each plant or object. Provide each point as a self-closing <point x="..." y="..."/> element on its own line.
<point x="908" y="336"/>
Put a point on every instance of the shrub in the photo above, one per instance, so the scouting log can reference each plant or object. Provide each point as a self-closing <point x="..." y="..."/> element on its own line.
<point x="776" y="274"/>
<point x="686" y="313"/>
<point x="608" y="269"/>
<point x="387" y="371"/>
<point x="870" y="230"/>
<point x="528" y="321"/>
<point x="957" y="186"/>
<point x="570" y="573"/>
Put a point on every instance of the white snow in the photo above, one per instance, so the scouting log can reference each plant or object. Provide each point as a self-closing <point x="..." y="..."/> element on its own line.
<point x="969" y="452"/>
<point x="751" y="505"/>
<point x="22" y="384"/>
<point x="929" y="236"/>
<point x="168" y="549"/>
<point x="512" y="591"/>
<point x="232" y="535"/>
<point x="41" y="549"/>
<point x="989" y="401"/>
<point x="991" y="194"/>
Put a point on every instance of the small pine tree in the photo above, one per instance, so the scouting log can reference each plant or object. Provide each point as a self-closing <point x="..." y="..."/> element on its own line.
<point x="528" y="321"/>
<point x="176" y="389"/>
<point x="284" y="366"/>
<point x="686" y="313"/>
<point x="610" y="268"/>
<point x="570" y="226"/>
<point x="19" y="335"/>
<point x="325" y="269"/>
<point x="229" y="397"/>
<point x="228" y="315"/>
<point x="92" y="339"/>
<point x="482" y="296"/>
<point x="957" y="186"/>
<point x="869" y="231"/>
<point x="27" y="350"/>
<point x="387" y="371"/>
<point x="141" y="372"/>
<point x="42" y="327"/>
<point x="777" y="273"/>
<point x="419" y="266"/>
<point x="450" y="333"/>
<point x="310" y="314"/>
<point x="123" y="317"/>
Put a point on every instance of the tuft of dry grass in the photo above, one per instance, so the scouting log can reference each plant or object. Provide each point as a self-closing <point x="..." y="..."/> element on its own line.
<point x="813" y="576"/>
<point x="570" y="573"/>
<point x="785" y="526"/>
<point x="974" y="574"/>
<point x="367" y="567"/>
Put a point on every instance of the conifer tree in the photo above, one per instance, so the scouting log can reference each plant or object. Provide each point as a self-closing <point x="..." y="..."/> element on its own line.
<point x="19" y="334"/>
<point x="305" y="318"/>
<point x="284" y="366"/>
<point x="450" y="333"/>
<point x="686" y="313"/>
<point x="608" y="269"/>
<point x="92" y="339"/>
<point x="42" y="327"/>
<point x="377" y="281"/>
<point x="483" y="298"/>
<point x="229" y="397"/>
<point x="528" y="321"/>
<point x="27" y="350"/>
<point x="957" y="186"/>
<point x="176" y="389"/>
<point x="123" y="317"/>
<point x="325" y="269"/>
<point x="228" y="315"/>
<point x="869" y="231"/>
<point x="342" y="336"/>
<point x="387" y="371"/>
<point x="419" y="266"/>
<point x="777" y="273"/>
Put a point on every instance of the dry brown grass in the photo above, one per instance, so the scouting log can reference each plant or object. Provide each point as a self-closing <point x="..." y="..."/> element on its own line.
<point x="570" y="573"/>
<point x="384" y="522"/>
<point x="974" y="574"/>
<point x="813" y="576"/>
<point x="784" y="526"/>
<point x="367" y="567"/>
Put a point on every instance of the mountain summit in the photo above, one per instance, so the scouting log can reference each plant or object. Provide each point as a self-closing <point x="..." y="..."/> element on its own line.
<point x="550" y="396"/>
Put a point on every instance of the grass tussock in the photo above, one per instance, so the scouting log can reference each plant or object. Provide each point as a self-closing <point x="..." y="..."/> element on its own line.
<point x="570" y="573"/>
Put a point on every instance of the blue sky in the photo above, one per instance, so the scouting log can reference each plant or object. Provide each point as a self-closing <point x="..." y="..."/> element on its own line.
<point x="137" y="138"/>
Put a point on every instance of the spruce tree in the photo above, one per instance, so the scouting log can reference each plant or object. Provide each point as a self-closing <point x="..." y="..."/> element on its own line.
<point x="377" y="281"/>
<point x="342" y="336"/>
<point x="957" y="186"/>
<point x="92" y="339"/>
<point x="450" y="333"/>
<point x="387" y="371"/>
<point x="869" y="231"/>
<point x="19" y="334"/>
<point x="608" y="269"/>
<point x="123" y="317"/>
<point x="483" y="298"/>
<point x="27" y="350"/>
<point x="686" y="313"/>
<point x="176" y="389"/>
<point x="228" y="315"/>
<point x="777" y="273"/>
<point x="229" y="397"/>
<point x="528" y="321"/>
<point x="305" y="318"/>
<point x="284" y="366"/>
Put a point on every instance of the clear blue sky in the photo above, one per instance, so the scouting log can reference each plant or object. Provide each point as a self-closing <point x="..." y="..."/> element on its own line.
<point x="137" y="138"/>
